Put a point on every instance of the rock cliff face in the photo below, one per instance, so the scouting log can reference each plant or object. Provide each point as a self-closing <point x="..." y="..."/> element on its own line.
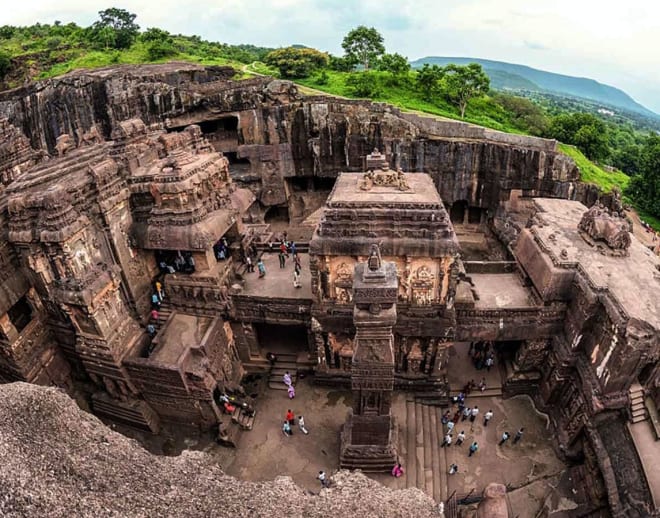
<point x="275" y="137"/>
<point x="60" y="461"/>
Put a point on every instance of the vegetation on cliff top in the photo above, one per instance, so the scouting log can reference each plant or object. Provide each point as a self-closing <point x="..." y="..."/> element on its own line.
<point x="601" y="148"/>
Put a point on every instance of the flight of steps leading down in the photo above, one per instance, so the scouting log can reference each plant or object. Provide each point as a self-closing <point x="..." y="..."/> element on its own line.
<point x="426" y="461"/>
<point x="286" y="362"/>
<point x="638" y="408"/>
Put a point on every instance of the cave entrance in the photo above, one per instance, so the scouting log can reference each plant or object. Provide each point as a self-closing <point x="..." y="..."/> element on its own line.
<point x="457" y="211"/>
<point x="239" y="167"/>
<point x="474" y="215"/>
<point x="282" y="339"/>
<point x="222" y="133"/>
<point x="277" y="215"/>
<point x="20" y="314"/>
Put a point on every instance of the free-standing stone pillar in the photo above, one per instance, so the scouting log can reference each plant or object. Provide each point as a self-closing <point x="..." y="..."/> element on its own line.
<point x="369" y="437"/>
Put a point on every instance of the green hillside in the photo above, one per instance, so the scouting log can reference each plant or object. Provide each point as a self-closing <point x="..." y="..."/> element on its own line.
<point x="545" y="81"/>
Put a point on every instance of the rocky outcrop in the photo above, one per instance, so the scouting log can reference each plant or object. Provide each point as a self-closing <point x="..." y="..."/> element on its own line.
<point x="277" y="135"/>
<point x="59" y="461"/>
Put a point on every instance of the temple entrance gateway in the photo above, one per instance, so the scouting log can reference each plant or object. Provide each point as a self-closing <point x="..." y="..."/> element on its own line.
<point x="282" y="338"/>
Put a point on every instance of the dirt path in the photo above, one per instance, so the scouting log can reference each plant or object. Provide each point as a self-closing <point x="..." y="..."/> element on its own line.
<point x="638" y="230"/>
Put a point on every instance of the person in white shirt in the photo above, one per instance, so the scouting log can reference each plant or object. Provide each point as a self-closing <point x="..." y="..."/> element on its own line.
<point x="487" y="417"/>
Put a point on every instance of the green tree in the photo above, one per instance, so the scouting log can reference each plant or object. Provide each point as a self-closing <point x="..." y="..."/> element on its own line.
<point x="116" y="29"/>
<point x="5" y="64"/>
<point x="584" y="130"/>
<point x="395" y="64"/>
<point x="363" y="45"/>
<point x="462" y="83"/>
<point x="525" y="114"/>
<point x="645" y="187"/>
<point x="628" y="159"/>
<point x="340" y="64"/>
<point x="296" y="62"/>
<point x="160" y="43"/>
<point x="428" y="80"/>
<point x="364" y="84"/>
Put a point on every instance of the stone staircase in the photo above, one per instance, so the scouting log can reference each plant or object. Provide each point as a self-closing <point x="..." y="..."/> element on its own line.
<point x="637" y="406"/>
<point x="426" y="461"/>
<point x="164" y="312"/>
<point x="285" y="362"/>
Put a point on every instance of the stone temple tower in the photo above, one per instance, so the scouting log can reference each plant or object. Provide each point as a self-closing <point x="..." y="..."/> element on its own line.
<point x="369" y="437"/>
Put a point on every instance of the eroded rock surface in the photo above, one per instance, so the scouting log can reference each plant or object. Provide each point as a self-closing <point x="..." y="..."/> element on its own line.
<point x="59" y="461"/>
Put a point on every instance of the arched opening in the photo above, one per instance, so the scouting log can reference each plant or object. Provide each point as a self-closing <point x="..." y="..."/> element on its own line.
<point x="20" y="314"/>
<point x="457" y="211"/>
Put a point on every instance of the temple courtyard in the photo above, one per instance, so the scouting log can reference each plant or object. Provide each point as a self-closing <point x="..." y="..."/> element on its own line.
<point x="265" y="452"/>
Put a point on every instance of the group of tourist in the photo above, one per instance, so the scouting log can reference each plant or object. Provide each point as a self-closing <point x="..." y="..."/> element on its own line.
<point x="183" y="262"/>
<point x="463" y="413"/>
<point x="290" y="422"/>
<point x="482" y="355"/>
<point x="287" y="248"/>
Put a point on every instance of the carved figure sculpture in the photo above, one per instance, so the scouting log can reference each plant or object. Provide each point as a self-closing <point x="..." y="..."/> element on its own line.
<point x="600" y="225"/>
<point x="63" y="144"/>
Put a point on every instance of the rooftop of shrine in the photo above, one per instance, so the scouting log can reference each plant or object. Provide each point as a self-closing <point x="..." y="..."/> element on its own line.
<point x="403" y="209"/>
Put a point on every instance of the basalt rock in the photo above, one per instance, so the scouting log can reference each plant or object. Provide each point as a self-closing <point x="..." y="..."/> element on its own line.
<point x="274" y="135"/>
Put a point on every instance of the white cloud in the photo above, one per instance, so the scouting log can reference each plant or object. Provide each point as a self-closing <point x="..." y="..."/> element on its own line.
<point x="611" y="41"/>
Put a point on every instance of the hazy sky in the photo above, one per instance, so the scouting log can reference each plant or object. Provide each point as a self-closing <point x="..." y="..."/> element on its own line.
<point x="613" y="42"/>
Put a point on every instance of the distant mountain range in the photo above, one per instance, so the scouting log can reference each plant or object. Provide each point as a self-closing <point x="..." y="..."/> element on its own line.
<point x="509" y="76"/>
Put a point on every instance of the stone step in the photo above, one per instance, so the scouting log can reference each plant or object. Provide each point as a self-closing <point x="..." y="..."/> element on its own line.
<point x="428" y="465"/>
<point x="435" y="458"/>
<point x="639" y="412"/>
<point x="638" y="405"/>
<point x="411" y="426"/>
<point x="442" y="460"/>
<point x="639" y="419"/>
<point x="418" y="452"/>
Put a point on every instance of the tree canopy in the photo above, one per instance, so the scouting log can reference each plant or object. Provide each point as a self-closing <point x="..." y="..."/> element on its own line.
<point x="462" y="83"/>
<point x="584" y="130"/>
<point x="395" y="64"/>
<point x="116" y="29"/>
<point x="295" y="62"/>
<point x="363" y="45"/>
<point x="645" y="187"/>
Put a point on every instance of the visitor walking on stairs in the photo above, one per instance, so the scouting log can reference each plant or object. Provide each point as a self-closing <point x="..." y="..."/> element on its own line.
<point x="287" y="379"/>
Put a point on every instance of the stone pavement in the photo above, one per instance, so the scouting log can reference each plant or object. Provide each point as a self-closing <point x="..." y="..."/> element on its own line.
<point x="278" y="282"/>
<point x="648" y="449"/>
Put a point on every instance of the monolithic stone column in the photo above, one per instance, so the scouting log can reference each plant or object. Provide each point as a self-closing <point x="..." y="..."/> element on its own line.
<point x="368" y="439"/>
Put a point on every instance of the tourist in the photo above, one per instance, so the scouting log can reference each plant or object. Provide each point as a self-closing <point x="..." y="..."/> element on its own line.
<point x="159" y="290"/>
<point x="323" y="479"/>
<point x="518" y="435"/>
<point x="286" y="429"/>
<point x="287" y="379"/>
<point x="290" y="416"/>
<point x="487" y="417"/>
<point x="261" y="268"/>
<point x="445" y="417"/>
<point x="296" y="261"/>
<point x="296" y="278"/>
<point x="271" y="358"/>
<point x="283" y="249"/>
<point x="292" y="247"/>
<point x="453" y="469"/>
<point x="474" y="447"/>
<point x="155" y="300"/>
<point x="450" y="426"/>
<point x="482" y="384"/>
<point x="446" y="441"/>
<point x="489" y="362"/>
<point x="291" y="392"/>
<point x="154" y="315"/>
<point x="466" y="413"/>
<point x="505" y="437"/>
<point x="460" y="438"/>
<point x="397" y="470"/>
<point x="301" y="425"/>
<point x="474" y="413"/>
<point x="282" y="259"/>
<point x="456" y="417"/>
<point x="250" y="265"/>
<point x="151" y="330"/>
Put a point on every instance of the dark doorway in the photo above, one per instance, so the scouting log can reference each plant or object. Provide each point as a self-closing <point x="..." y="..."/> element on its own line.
<point x="282" y="338"/>
<point x="279" y="214"/>
<point x="20" y="314"/>
<point x="474" y="215"/>
<point x="457" y="211"/>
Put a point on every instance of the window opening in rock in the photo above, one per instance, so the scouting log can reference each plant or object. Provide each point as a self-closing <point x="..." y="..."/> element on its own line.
<point x="20" y="314"/>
